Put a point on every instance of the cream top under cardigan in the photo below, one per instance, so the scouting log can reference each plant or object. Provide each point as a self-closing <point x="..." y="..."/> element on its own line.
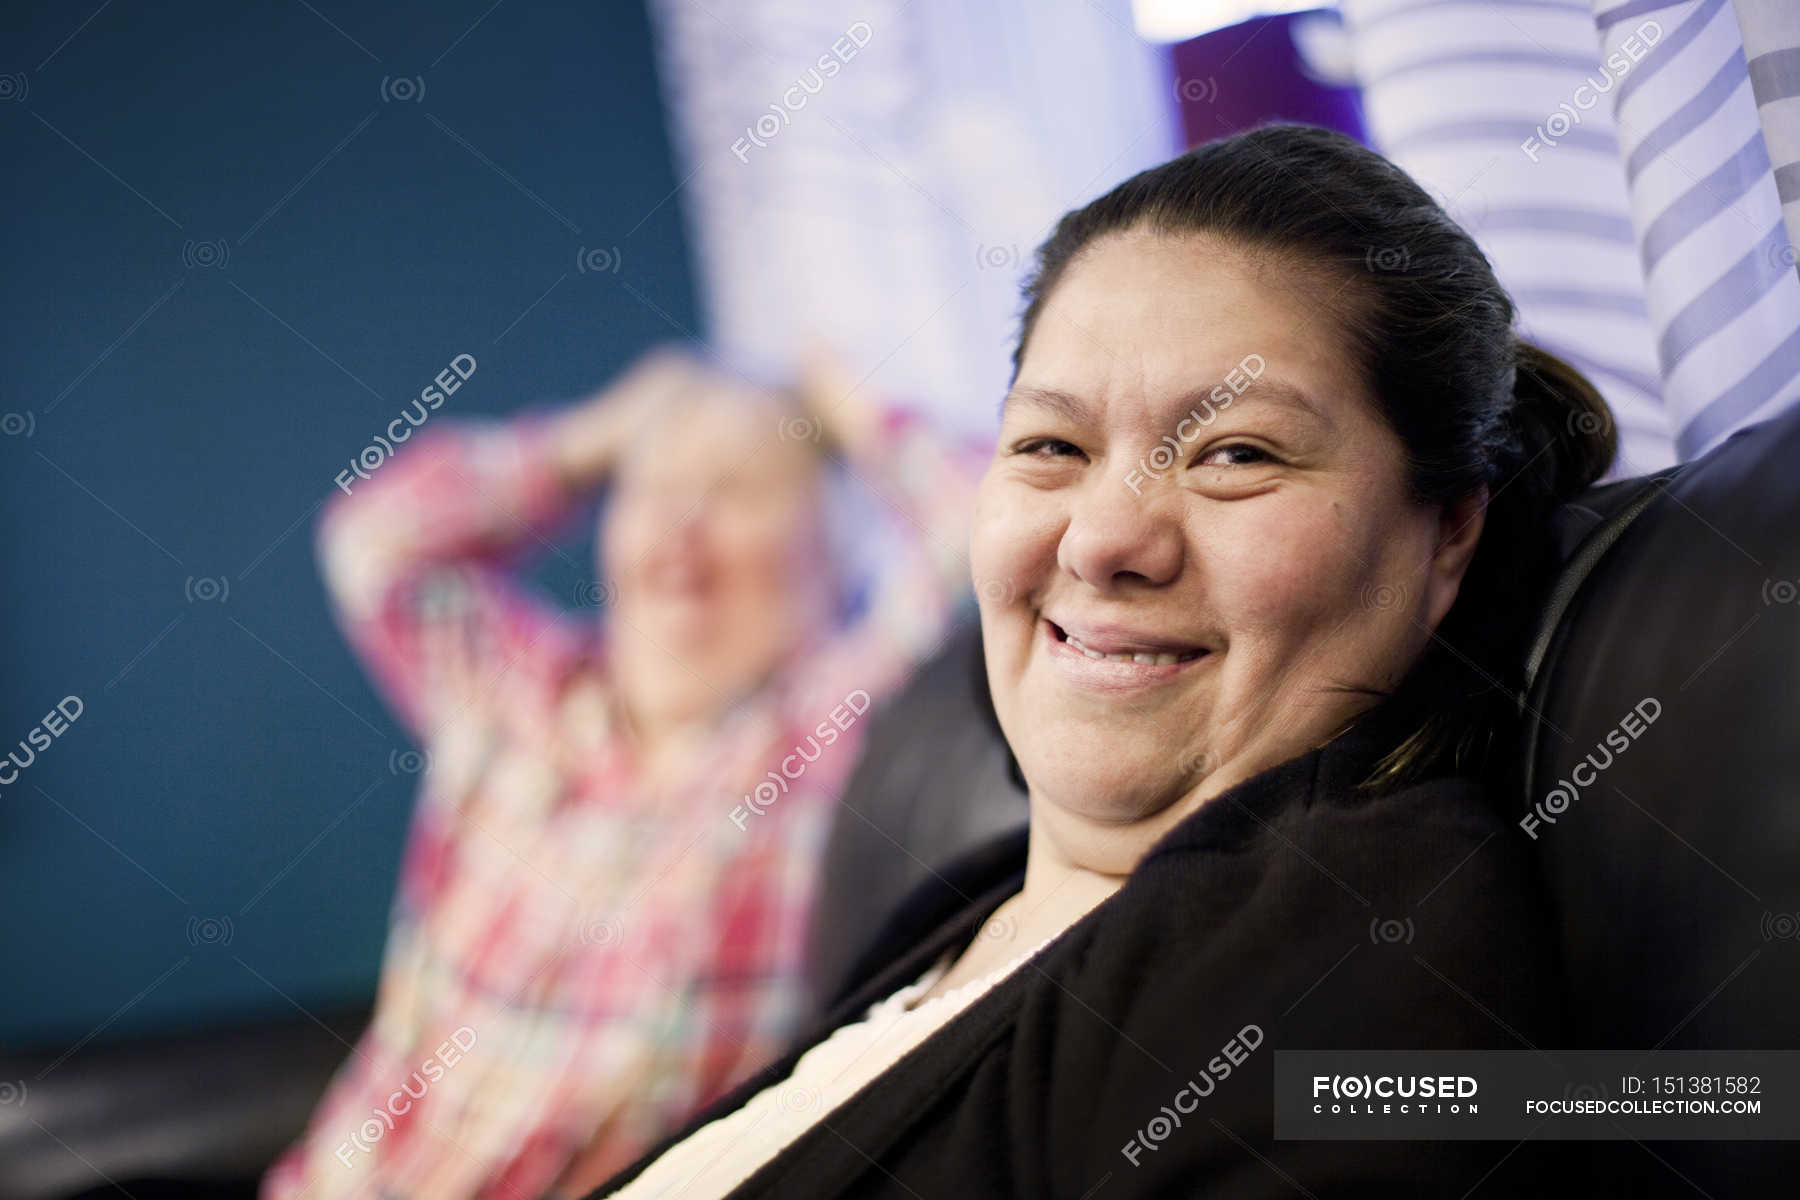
<point x="721" y="1154"/>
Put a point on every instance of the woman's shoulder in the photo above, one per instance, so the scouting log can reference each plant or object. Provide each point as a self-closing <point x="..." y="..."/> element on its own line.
<point x="1413" y="855"/>
<point x="1410" y="918"/>
<point x="1406" y="921"/>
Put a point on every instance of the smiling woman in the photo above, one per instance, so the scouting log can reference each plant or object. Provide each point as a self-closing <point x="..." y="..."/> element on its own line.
<point x="1252" y="683"/>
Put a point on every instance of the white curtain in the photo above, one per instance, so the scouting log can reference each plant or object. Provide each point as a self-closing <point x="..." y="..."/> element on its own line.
<point x="878" y="174"/>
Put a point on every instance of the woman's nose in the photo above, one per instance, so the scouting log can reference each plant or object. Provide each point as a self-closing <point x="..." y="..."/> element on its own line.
<point x="1113" y="532"/>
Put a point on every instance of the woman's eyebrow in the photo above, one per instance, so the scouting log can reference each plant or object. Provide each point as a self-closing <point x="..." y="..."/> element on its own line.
<point x="1067" y="405"/>
<point x="1077" y="411"/>
<point x="1265" y="390"/>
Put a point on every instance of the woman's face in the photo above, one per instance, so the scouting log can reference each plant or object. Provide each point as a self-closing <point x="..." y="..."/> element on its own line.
<point x="714" y="542"/>
<point x="1263" y="555"/>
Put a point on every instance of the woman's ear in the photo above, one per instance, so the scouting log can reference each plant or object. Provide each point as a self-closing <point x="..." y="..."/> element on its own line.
<point x="1459" y="531"/>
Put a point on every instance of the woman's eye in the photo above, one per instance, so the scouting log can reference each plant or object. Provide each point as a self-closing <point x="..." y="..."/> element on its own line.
<point x="1238" y="454"/>
<point x="1045" y="447"/>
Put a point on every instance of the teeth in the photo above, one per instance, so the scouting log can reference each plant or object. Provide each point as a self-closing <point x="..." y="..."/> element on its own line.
<point x="1165" y="659"/>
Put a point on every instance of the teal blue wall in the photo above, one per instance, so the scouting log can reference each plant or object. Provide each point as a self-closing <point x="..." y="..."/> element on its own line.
<point x="176" y="423"/>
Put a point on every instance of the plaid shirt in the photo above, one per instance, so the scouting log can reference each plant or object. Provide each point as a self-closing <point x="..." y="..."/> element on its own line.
<point x="575" y="965"/>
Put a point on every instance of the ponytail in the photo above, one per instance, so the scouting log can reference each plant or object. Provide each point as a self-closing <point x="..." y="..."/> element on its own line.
<point x="1568" y="434"/>
<point x="1556" y="438"/>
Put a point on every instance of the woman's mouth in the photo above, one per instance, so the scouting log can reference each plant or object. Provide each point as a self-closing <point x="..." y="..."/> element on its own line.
<point x="1118" y="662"/>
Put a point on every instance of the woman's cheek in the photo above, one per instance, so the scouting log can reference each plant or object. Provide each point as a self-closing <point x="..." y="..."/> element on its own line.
<point x="1270" y="561"/>
<point x="993" y="575"/>
<point x="1001" y="546"/>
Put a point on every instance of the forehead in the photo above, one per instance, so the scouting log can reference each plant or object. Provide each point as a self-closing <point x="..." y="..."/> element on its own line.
<point x="1149" y="318"/>
<point x="706" y="436"/>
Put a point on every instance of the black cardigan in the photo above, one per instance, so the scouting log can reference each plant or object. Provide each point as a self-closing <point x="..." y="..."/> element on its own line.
<point x="1328" y="919"/>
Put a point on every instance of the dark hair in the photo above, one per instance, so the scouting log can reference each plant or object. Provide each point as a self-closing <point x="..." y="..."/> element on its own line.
<point x="1430" y="328"/>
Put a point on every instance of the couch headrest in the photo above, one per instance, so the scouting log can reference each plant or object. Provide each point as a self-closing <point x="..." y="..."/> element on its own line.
<point x="1662" y="757"/>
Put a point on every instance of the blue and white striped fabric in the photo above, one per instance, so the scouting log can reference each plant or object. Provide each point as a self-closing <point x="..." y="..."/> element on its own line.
<point x="1717" y="256"/>
<point x="1771" y="31"/>
<point x="1500" y="110"/>
<point x="1634" y="173"/>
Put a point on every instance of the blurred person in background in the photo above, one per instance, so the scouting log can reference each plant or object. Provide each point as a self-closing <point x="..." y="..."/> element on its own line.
<point x="603" y="902"/>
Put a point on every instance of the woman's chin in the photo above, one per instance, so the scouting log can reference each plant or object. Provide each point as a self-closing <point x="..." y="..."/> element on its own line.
<point x="1107" y="798"/>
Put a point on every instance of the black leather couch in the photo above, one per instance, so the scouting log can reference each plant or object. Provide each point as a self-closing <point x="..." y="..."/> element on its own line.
<point x="189" y="1115"/>
<point x="1676" y="869"/>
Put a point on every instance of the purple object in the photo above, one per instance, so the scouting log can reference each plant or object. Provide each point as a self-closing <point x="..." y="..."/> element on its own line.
<point x="1249" y="74"/>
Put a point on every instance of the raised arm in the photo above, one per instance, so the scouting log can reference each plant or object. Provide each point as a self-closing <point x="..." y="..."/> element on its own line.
<point x="418" y="560"/>
<point x="924" y="481"/>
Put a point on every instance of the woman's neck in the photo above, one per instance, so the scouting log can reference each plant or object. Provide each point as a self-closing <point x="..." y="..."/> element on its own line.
<point x="1058" y="891"/>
